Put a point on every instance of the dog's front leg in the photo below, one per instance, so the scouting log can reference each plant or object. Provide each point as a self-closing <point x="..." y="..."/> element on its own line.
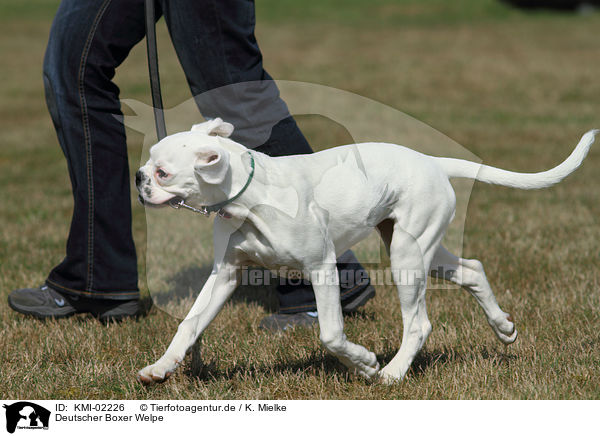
<point x="331" y="322"/>
<point x="217" y="289"/>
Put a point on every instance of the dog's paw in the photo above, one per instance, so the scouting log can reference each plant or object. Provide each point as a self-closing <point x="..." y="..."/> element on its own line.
<point x="505" y="329"/>
<point x="388" y="378"/>
<point x="370" y="369"/>
<point x="157" y="372"/>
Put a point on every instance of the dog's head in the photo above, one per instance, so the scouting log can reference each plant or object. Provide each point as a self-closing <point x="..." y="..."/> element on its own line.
<point x="186" y="165"/>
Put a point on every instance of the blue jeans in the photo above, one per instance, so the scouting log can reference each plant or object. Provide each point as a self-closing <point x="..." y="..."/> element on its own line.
<point x="214" y="41"/>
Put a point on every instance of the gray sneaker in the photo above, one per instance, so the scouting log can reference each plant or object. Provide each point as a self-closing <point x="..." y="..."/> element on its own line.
<point x="45" y="302"/>
<point x="42" y="302"/>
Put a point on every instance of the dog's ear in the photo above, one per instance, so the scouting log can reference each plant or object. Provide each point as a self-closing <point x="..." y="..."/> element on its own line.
<point x="214" y="127"/>
<point x="212" y="164"/>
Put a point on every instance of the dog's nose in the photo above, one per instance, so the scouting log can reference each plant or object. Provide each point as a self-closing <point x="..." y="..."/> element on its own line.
<point x="139" y="176"/>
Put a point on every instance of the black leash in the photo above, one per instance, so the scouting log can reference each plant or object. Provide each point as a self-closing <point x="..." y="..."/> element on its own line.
<point x="159" y="115"/>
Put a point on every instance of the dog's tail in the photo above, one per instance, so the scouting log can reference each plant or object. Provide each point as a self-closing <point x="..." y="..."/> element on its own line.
<point x="497" y="176"/>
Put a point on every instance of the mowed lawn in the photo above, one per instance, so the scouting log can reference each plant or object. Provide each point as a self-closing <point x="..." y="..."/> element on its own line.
<point x="517" y="89"/>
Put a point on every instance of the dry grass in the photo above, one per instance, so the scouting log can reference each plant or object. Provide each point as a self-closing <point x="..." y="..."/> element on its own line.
<point x="516" y="89"/>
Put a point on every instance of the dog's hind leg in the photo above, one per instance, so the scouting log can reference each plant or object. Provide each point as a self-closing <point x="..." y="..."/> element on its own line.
<point x="325" y="280"/>
<point x="217" y="289"/>
<point x="410" y="258"/>
<point x="386" y="230"/>
<point x="469" y="274"/>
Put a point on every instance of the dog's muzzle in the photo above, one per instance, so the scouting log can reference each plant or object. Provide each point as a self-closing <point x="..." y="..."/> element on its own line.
<point x="139" y="178"/>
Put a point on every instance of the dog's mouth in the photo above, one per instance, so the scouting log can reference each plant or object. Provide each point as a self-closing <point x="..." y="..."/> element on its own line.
<point x="174" y="202"/>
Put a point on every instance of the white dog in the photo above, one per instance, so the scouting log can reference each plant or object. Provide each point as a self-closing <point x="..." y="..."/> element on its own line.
<point x="303" y="211"/>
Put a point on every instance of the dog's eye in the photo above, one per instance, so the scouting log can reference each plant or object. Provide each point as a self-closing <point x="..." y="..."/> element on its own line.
<point x="161" y="173"/>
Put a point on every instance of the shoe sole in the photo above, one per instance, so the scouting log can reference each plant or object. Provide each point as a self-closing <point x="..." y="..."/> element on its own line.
<point x="119" y="313"/>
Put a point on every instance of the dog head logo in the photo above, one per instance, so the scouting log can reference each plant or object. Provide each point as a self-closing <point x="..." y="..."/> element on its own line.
<point x="25" y="415"/>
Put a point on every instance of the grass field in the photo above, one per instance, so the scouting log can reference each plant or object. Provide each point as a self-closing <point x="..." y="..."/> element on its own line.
<point x="516" y="89"/>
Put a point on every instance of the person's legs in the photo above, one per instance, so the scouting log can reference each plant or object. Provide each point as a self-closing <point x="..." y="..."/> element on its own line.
<point x="87" y="42"/>
<point x="215" y="43"/>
